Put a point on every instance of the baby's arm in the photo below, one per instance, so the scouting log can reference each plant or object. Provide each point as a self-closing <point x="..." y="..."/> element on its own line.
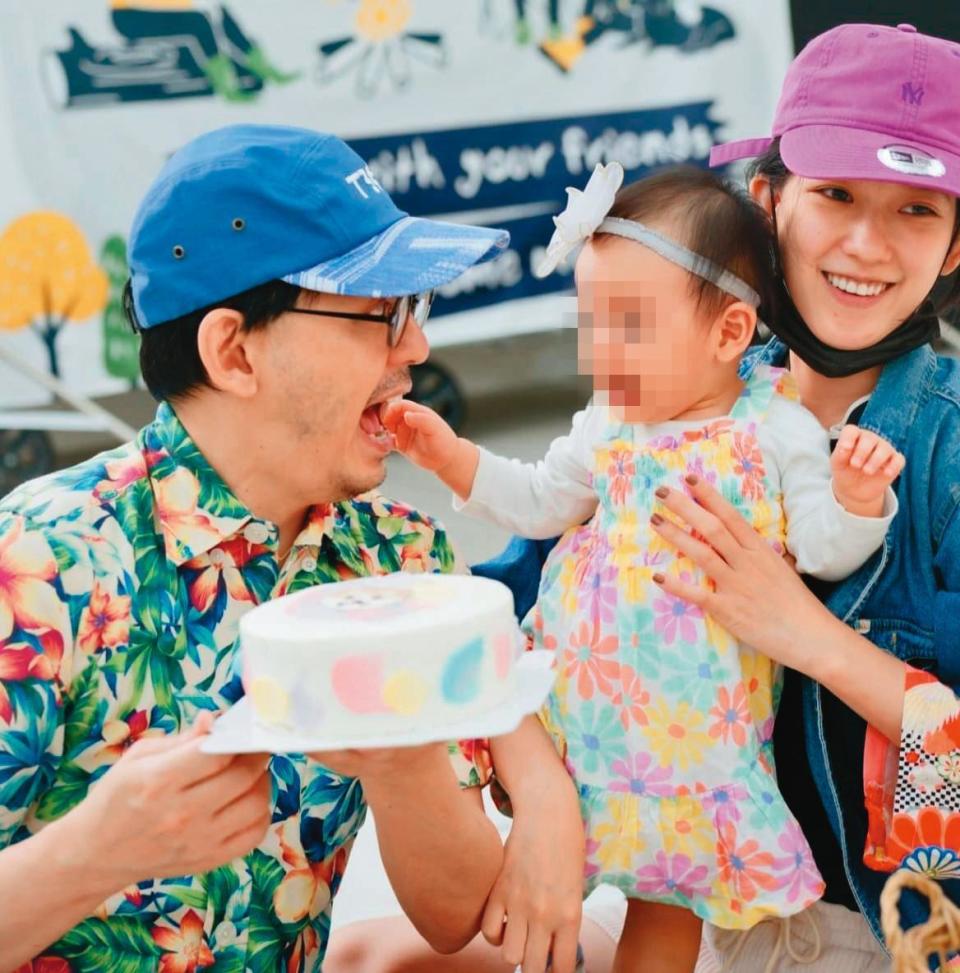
<point x="837" y="513"/>
<point x="540" y="888"/>
<point x="536" y="500"/>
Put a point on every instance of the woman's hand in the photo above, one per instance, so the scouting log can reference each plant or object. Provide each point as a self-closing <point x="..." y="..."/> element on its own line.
<point x="759" y="598"/>
<point x="755" y="594"/>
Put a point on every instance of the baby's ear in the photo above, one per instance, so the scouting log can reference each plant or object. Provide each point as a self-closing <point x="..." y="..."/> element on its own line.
<point x="732" y="330"/>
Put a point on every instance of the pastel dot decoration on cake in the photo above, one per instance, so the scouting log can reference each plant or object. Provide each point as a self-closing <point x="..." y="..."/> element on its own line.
<point x="375" y="657"/>
<point x="461" y="673"/>
<point x="358" y="683"/>
<point x="270" y="700"/>
<point x="405" y="693"/>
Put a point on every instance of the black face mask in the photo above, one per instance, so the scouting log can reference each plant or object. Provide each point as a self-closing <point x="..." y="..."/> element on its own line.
<point x="922" y="327"/>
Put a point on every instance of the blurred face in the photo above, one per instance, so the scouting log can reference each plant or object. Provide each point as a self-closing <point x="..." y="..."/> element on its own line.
<point x="323" y="381"/>
<point x="859" y="256"/>
<point x="640" y="333"/>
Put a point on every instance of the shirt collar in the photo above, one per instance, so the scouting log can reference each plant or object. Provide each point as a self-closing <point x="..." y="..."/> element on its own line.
<point x="893" y="405"/>
<point x="195" y="509"/>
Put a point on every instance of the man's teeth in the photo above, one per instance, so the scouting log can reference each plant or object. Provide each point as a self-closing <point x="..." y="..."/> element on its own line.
<point x="388" y="402"/>
<point x="857" y="287"/>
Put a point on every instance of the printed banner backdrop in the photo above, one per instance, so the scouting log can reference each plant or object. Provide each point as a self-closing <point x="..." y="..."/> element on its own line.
<point x="474" y="110"/>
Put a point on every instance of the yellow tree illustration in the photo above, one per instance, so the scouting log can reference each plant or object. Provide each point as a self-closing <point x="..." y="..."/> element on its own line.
<point x="48" y="277"/>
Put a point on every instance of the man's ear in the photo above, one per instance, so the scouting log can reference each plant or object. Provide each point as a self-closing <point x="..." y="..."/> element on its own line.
<point x="222" y="345"/>
<point x="732" y="330"/>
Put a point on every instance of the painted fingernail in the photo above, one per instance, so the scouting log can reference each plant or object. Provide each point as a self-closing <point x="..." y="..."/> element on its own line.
<point x="656" y="519"/>
<point x="659" y="578"/>
<point x="662" y="492"/>
<point x="692" y="480"/>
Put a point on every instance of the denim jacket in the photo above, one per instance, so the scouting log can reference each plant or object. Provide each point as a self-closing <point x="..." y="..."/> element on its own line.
<point x="905" y="598"/>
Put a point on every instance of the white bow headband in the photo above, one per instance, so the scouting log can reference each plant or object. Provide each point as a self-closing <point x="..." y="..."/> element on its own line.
<point x="586" y="214"/>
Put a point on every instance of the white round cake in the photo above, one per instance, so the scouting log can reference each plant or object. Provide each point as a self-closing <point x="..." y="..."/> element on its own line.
<point x="364" y="659"/>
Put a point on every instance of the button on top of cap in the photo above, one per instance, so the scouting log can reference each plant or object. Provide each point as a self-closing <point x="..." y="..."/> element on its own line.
<point x="907" y="28"/>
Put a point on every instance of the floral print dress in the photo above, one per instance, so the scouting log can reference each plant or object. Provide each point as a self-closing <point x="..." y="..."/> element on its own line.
<point x="664" y="719"/>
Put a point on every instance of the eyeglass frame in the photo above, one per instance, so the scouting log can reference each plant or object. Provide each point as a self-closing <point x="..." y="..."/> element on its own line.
<point x="406" y="305"/>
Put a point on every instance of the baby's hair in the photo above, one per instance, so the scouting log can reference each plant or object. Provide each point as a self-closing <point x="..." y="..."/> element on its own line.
<point x="711" y="217"/>
<point x="770" y="165"/>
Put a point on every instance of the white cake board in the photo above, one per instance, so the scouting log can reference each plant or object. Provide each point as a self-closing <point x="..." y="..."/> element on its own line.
<point x="238" y="732"/>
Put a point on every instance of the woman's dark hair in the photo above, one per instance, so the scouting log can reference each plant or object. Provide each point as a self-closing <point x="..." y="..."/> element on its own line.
<point x="169" y="356"/>
<point x="713" y="219"/>
<point x="946" y="292"/>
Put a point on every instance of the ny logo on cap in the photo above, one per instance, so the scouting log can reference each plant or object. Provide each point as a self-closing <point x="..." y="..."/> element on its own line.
<point x="365" y="175"/>
<point x="912" y="95"/>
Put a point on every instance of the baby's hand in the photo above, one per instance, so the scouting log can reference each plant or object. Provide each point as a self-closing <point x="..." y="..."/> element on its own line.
<point x="534" y="908"/>
<point x="864" y="465"/>
<point x="425" y="439"/>
<point x="420" y="434"/>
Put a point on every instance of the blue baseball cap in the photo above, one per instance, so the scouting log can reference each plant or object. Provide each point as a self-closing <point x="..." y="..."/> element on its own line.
<point x="247" y="204"/>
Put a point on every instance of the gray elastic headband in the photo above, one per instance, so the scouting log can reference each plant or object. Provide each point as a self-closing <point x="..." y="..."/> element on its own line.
<point x="678" y="254"/>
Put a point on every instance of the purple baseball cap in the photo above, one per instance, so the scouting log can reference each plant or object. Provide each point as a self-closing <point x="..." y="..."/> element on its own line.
<point x="863" y="101"/>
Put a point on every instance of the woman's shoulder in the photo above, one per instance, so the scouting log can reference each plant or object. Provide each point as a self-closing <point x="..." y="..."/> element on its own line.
<point x="937" y="417"/>
<point x="917" y="394"/>
<point x="945" y="384"/>
<point x="933" y="439"/>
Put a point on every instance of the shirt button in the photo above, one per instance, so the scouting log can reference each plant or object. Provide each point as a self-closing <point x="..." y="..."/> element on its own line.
<point x="907" y="28"/>
<point x="309" y="564"/>
<point x="256" y="533"/>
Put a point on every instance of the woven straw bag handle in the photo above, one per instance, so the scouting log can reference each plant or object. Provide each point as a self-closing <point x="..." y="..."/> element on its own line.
<point x="939" y="935"/>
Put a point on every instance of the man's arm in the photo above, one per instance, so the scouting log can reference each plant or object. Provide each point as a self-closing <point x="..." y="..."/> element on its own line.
<point x="163" y="809"/>
<point x="441" y="851"/>
<point x="47" y="886"/>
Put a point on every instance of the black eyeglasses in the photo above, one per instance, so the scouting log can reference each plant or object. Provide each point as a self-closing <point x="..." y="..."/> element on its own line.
<point x="416" y="304"/>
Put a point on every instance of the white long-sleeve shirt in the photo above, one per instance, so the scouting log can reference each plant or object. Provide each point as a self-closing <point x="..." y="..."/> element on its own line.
<point x="543" y="499"/>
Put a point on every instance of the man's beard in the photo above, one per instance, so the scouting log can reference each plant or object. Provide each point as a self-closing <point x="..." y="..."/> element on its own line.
<point x="349" y="489"/>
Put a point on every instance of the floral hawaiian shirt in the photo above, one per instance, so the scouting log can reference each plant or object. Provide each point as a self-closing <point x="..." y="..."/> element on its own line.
<point x="122" y="583"/>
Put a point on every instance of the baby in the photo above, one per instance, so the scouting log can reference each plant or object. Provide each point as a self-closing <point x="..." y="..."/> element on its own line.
<point x="664" y="720"/>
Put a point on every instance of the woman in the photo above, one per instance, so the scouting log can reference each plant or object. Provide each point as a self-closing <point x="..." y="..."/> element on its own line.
<point x="861" y="180"/>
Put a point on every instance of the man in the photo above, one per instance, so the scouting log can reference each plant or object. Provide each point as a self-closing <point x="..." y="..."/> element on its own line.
<point x="280" y="295"/>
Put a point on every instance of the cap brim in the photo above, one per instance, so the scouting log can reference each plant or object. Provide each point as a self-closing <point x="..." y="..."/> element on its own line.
<point x="835" y="152"/>
<point x="727" y="152"/>
<point x="237" y="730"/>
<point x="409" y="257"/>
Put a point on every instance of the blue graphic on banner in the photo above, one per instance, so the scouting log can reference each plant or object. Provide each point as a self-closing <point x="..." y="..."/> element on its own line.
<point x="521" y="171"/>
<point x="158" y="55"/>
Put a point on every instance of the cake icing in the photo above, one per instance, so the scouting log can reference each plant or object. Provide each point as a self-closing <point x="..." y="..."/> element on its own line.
<point x="365" y="658"/>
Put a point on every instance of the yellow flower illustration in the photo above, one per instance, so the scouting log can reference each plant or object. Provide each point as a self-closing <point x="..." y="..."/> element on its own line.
<point x="619" y="835"/>
<point x="379" y="20"/>
<point x="685" y="828"/>
<point x="675" y="735"/>
<point x="758" y="678"/>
